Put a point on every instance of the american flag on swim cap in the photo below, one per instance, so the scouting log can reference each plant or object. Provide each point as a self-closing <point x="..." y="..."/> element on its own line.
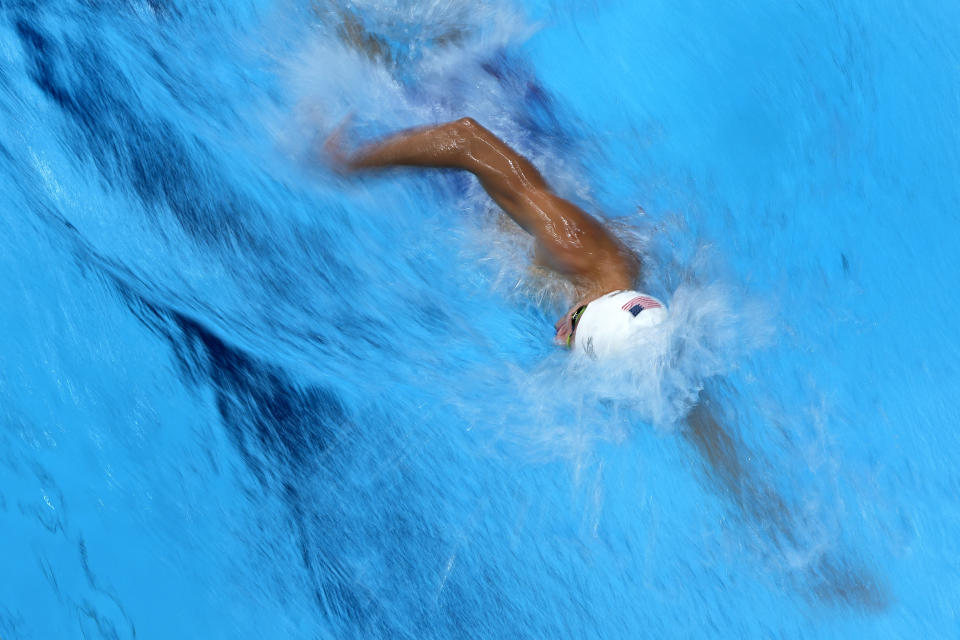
<point x="638" y="304"/>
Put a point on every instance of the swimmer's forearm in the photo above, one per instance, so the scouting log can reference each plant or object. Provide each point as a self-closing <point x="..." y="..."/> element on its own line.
<point x="440" y="147"/>
<point x="462" y="144"/>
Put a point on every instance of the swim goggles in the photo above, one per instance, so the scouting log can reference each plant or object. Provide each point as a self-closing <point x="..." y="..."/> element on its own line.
<point x="574" y="319"/>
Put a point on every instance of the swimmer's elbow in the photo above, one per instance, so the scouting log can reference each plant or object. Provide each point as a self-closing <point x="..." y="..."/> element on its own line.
<point x="469" y="124"/>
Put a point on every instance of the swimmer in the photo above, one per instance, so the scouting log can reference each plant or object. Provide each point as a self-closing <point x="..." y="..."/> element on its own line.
<point x="608" y="312"/>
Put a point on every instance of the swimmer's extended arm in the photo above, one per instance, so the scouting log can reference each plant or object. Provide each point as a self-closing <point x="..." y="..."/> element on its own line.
<point x="574" y="243"/>
<point x="507" y="176"/>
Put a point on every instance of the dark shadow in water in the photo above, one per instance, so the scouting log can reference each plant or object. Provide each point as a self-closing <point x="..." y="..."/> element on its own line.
<point x="285" y="433"/>
<point x="275" y="423"/>
<point x="131" y="148"/>
<point x="836" y="577"/>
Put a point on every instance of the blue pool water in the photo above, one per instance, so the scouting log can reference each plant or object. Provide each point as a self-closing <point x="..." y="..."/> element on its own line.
<point x="242" y="397"/>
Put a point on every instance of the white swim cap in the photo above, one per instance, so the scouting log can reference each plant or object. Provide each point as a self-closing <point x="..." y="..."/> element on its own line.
<point x="611" y="322"/>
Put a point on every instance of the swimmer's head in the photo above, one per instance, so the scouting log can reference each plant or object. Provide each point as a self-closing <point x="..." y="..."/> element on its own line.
<point x="609" y="324"/>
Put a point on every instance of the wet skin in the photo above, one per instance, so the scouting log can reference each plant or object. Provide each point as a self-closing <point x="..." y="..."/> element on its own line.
<point x="569" y="240"/>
